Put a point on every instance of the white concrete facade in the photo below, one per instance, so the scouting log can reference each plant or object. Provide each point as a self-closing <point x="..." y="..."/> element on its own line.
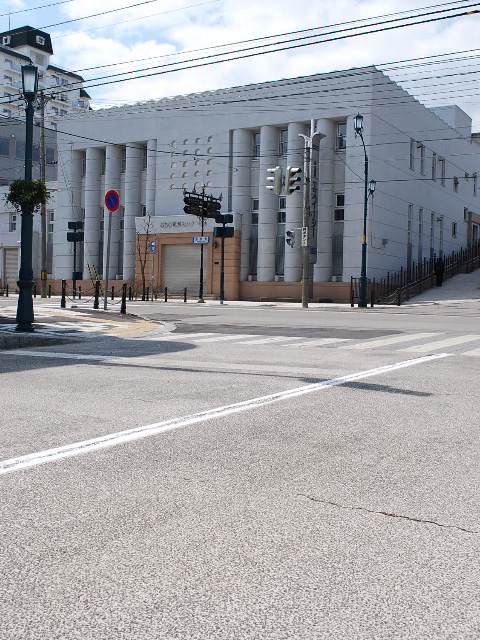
<point x="227" y="140"/>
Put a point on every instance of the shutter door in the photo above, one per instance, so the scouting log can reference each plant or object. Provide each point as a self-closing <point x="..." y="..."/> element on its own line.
<point x="11" y="268"/>
<point x="181" y="268"/>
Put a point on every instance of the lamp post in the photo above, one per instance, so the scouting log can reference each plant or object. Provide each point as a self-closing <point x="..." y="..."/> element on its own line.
<point x="362" y="295"/>
<point x="25" y="277"/>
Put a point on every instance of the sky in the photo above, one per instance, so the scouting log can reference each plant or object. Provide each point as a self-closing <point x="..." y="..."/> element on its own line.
<point x="159" y="32"/>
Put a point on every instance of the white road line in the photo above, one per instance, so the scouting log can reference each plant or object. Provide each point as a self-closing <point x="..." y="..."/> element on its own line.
<point x="65" y="356"/>
<point x="271" y="339"/>
<point x="222" y="338"/>
<point x="474" y="352"/>
<point x="121" y="437"/>
<point x="181" y="336"/>
<point x="380" y="342"/>
<point x="319" y="342"/>
<point x="440" y="344"/>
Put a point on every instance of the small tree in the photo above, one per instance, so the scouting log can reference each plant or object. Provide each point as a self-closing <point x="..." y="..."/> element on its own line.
<point x="143" y="245"/>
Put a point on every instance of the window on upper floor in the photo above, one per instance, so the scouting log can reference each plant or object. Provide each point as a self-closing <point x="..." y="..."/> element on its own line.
<point x="475" y="180"/>
<point x="339" y="210"/>
<point x="144" y="157"/>
<point x="12" y="223"/>
<point x="4" y="146"/>
<point x="123" y="161"/>
<point x="421" y="147"/>
<point x="441" y="162"/>
<point x="434" y="166"/>
<point x="412" y="154"/>
<point x="256" y="144"/>
<point x="40" y="40"/>
<point x="455" y="184"/>
<point x="454" y="229"/>
<point x="341" y="137"/>
<point x="283" y="150"/>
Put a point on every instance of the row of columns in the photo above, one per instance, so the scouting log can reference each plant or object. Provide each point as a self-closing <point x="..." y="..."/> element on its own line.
<point x="245" y="188"/>
<point x="130" y="199"/>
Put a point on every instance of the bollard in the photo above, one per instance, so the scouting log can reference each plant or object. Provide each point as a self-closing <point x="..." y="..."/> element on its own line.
<point x="79" y="292"/>
<point x="35" y="290"/>
<point x="6" y="291"/>
<point x="166" y="294"/>
<point x="148" y="294"/>
<point x="185" y="294"/>
<point x="113" y="293"/>
<point x="130" y="293"/>
<point x="123" y="307"/>
<point x="63" y="303"/>
<point x="97" y="294"/>
<point x="49" y="290"/>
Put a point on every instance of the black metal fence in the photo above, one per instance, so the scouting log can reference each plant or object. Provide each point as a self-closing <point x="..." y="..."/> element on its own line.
<point x="401" y="285"/>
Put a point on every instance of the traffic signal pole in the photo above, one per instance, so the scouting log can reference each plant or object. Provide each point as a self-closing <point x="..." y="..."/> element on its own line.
<point x="200" y="293"/>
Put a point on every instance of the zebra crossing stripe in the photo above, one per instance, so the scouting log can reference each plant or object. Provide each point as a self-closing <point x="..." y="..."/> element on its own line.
<point x="320" y="342"/>
<point x="380" y="342"/>
<point x="271" y="339"/>
<point x="220" y="338"/>
<point x="441" y="344"/>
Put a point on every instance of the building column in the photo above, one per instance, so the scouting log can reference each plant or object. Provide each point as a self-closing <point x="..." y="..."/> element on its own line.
<point x="241" y="191"/>
<point x="322" y="271"/>
<point x="93" y="210"/>
<point x="267" y="215"/>
<point x="295" y="153"/>
<point x="151" y="176"/>
<point x="113" y="161"/>
<point x="133" y="207"/>
<point x="68" y="207"/>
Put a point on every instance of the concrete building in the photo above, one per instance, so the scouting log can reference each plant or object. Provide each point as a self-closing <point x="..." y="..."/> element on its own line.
<point x="63" y="89"/>
<point x="425" y="163"/>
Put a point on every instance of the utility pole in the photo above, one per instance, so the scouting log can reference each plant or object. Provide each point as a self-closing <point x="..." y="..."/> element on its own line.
<point x="314" y="137"/>
<point x="43" y="210"/>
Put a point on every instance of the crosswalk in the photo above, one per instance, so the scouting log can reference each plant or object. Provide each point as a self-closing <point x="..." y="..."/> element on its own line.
<point x="421" y="343"/>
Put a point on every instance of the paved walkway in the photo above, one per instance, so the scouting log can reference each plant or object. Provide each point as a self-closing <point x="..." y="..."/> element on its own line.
<point x="461" y="288"/>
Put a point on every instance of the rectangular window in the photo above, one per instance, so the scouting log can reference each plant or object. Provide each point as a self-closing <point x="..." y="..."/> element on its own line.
<point x="455" y="184"/>
<point x="84" y="164"/>
<point x="441" y="162"/>
<point x="253" y="241"/>
<point x="123" y="162"/>
<point x="4" y="146"/>
<point x="409" y="223"/>
<point x="12" y="226"/>
<point x="40" y="40"/>
<point x="339" y="211"/>
<point x="412" y="154"/>
<point x="422" y="158"/>
<point x="103" y="165"/>
<point x="432" y="234"/>
<point x="144" y="210"/>
<point x="283" y="142"/>
<point x="454" y="229"/>
<point x="465" y="214"/>
<point x="122" y="218"/>
<point x="144" y="157"/>
<point x="337" y="237"/>
<point x="475" y="180"/>
<point x="341" y="138"/>
<point x="420" y="234"/>
<point x="434" y="166"/>
<point x="256" y="144"/>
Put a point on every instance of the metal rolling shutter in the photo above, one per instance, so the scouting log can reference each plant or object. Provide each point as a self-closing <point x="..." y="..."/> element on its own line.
<point x="181" y="268"/>
<point x="11" y="268"/>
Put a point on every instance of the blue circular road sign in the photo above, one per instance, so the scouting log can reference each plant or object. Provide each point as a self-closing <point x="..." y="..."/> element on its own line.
<point x="112" y="200"/>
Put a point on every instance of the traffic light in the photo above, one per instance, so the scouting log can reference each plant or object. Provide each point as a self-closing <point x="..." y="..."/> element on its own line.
<point x="186" y="208"/>
<point x="293" y="176"/>
<point x="290" y="238"/>
<point x="274" y="182"/>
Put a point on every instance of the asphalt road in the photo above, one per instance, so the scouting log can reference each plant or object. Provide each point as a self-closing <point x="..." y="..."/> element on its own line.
<point x="286" y="474"/>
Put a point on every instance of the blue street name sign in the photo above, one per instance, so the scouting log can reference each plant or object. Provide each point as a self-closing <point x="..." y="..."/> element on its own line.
<point x="201" y="240"/>
<point x="152" y="246"/>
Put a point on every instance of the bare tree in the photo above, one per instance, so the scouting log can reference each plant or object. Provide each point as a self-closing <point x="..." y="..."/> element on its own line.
<point x="143" y="246"/>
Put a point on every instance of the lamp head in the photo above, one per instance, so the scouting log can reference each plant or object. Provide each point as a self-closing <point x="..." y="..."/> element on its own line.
<point x="29" y="81"/>
<point x="371" y="187"/>
<point x="358" y="124"/>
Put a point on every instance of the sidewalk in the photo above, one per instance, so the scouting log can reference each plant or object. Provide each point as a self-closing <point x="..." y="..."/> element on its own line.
<point x="465" y="287"/>
<point x="78" y="321"/>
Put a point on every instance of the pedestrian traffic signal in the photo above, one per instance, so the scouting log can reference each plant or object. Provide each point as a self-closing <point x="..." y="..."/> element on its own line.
<point x="274" y="181"/>
<point x="290" y="238"/>
<point x="293" y="177"/>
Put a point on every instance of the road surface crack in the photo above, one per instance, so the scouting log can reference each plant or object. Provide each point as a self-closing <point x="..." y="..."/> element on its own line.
<point x="388" y="514"/>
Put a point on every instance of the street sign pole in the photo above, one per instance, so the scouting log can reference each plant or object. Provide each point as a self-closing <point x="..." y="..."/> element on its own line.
<point x="222" y="272"/>
<point x="74" y="283"/>
<point x="153" y="264"/>
<point x="112" y="202"/>
<point x="200" y="293"/>
<point x="109" y="235"/>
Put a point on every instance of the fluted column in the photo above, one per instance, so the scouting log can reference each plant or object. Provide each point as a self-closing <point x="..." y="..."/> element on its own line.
<point x="92" y="210"/>
<point x="322" y="271"/>
<point x="241" y="191"/>
<point x="132" y="207"/>
<point x="113" y="161"/>
<point x="293" y="257"/>
<point x="267" y="215"/>
<point x="151" y="176"/>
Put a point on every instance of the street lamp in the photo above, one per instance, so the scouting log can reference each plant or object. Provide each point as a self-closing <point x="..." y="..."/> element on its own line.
<point x="25" y="277"/>
<point x="362" y="295"/>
